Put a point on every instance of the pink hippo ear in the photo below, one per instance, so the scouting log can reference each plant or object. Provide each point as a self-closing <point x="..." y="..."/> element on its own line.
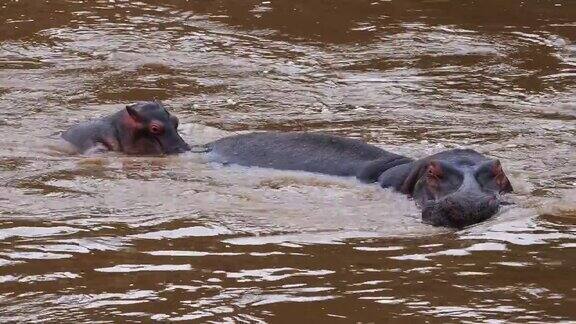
<point x="501" y="178"/>
<point x="133" y="119"/>
<point x="434" y="170"/>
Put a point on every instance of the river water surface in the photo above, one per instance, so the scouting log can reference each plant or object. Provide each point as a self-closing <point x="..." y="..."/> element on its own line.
<point x="118" y="238"/>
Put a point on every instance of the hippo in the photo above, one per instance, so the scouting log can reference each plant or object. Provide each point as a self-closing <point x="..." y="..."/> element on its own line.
<point x="144" y="128"/>
<point x="454" y="188"/>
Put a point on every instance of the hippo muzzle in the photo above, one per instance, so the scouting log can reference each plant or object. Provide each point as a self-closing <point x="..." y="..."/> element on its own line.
<point x="172" y="143"/>
<point x="459" y="212"/>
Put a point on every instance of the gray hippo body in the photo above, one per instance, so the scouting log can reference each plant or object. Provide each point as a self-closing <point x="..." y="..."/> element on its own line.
<point x="312" y="152"/>
<point x="454" y="188"/>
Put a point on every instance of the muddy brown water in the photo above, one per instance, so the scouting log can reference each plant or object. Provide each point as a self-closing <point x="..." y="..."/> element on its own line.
<point x="116" y="238"/>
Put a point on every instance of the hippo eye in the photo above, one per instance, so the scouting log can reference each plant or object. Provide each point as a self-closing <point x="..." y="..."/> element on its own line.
<point x="156" y="129"/>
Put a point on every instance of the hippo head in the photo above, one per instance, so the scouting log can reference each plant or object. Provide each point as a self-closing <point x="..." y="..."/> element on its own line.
<point x="457" y="188"/>
<point x="148" y="128"/>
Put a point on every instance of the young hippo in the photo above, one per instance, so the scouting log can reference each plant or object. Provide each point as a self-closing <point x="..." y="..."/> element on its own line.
<point x="454" y="188"/>
<point x="144" y="128"/>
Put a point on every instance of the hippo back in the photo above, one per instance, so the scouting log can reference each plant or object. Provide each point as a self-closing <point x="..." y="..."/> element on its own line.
<point x="312" y="152"/>
<point x="85" y="135"/>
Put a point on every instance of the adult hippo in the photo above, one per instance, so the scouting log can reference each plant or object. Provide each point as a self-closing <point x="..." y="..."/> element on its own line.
<point x="144" y="128"/>
<point x="454" y="188"/>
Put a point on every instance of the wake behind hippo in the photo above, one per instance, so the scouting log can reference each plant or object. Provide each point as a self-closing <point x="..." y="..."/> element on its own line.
<point x="454" y="188"/>
<point x="144" y="128"/>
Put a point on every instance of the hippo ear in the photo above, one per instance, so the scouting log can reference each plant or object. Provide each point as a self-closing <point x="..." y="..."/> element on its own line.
<point x="133" y="120"/>
<point x="132" y="112"/>
<point x="174" y="121"/>
<point x="501" y="178"/>
<point x="412" y="178"/>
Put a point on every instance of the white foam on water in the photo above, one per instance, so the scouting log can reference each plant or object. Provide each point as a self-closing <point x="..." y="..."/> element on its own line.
<point x="145" y="267"/>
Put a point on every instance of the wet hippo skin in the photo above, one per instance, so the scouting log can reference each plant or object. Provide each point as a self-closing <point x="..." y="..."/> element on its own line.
<point x="454" y="188"/>
<point x="144" y="128"/>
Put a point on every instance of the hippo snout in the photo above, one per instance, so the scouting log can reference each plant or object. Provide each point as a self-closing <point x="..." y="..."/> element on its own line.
<point x="458" y="213"/>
